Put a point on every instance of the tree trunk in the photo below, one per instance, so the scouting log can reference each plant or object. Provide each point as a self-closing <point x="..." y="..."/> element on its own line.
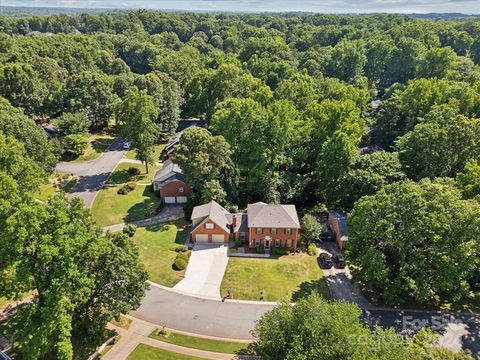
<point x="146" y="166"/>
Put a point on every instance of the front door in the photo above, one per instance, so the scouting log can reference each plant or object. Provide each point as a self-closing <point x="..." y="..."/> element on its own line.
<point x="267" y="244"/>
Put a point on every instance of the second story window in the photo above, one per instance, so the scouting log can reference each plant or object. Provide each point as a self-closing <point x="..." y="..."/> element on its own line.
<point x="288" y="231"/>
<point x="180" y="189"/>
<point x="259" y="231"/>
<point x="209" y="226"/>
<point x="273" y="231"/>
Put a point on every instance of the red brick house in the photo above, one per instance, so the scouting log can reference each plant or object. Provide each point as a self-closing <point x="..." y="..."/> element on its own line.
<point x="263" y="225"/>
<point x="170" y="183"/>
<point x="337" y="222"/>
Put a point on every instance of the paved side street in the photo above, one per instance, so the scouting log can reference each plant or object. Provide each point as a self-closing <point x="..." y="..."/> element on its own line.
<point x="229" y="319"/>
<point x="93" y="174"/>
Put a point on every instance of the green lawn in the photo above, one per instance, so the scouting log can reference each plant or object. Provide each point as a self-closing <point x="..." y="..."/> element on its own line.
<point x="121" y="175"/>
<point x="284" y="278"/>
<point x="145" y="352"/>
<point x="158" y="151"/>
<point x="194" y="342"/>
<point x="110" y="208"/>
<point x="48" y="189"/>
<point x="156" y="246"/>
<point x="97" y="145"/>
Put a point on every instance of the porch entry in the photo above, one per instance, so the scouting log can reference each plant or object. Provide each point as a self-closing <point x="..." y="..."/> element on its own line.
<point x="267" y="242"/>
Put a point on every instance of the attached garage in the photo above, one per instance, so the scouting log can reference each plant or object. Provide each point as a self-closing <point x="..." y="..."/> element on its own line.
<point x="218" y="238"/>
<point x="175" y="199"/>
<point x="201" y="238"/>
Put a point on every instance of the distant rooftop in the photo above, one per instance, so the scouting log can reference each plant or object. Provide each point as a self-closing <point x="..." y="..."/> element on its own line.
<point x="184" y="124"/>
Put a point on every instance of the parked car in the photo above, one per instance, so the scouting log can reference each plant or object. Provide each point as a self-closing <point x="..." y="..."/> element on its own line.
<point x="325" y="261"/>
<point x="338" y="261"/>
<point x="127" y="145"/>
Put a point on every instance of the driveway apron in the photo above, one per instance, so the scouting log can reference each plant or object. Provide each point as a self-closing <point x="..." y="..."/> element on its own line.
<point x="205" y="271"/>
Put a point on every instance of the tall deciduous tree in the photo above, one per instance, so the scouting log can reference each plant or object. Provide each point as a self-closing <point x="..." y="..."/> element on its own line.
<point x="92" y="92"/>
<point x="415" y="241"/>
<point x="14" y="123"/>
<point x="205" y="161"/>
<point x="368" y="174"/>
<point x="319" y="329"/>
<point x="439" y="146"/>
<point x="469" y="180"/>
<point x="80" y="280"/>
<point x="334" y="160"/>
<point x="328" y="117"/>
<point x="137" y="115"/>
<point x="15" y="162"/>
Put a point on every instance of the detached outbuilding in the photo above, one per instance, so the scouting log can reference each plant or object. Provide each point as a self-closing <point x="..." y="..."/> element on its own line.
<point x="170" y="183"/>
<point x="337" y="222"/>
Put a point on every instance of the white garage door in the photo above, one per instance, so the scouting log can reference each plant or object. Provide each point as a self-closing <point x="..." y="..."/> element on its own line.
<point x="218" y="238"/>
<point x="201" y="238"/>
<point x="170" y="200"/>
<point x="181" y="199"/>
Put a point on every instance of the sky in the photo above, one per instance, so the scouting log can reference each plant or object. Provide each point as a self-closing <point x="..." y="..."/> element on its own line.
<point x="326" y="6"/>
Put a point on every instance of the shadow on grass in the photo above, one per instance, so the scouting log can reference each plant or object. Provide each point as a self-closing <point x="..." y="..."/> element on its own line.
<point x="181" y="231"/>
<point x="307" y="287"/>
<point x="123" y="176"/>
<point x="144" y="209"/>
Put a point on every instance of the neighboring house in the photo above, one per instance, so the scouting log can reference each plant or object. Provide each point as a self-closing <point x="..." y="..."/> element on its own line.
<point x="337" y="222"/>
<point x="263" y="225"/>
<point x="170" y="183"/>
<point x="183" y="124"/>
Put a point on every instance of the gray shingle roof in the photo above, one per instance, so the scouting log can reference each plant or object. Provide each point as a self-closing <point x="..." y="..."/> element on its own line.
<point x="241" y="222"/>
<point x="272" y="216"/>
<point x="342" y="223"/>
<point x="170" y="171"/>
<point x="215" y="212"/>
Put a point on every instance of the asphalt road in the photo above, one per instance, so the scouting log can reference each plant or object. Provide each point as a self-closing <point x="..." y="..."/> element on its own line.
<point x="198" y="315"/>
<point x="457" y="330"/>
<point x="93" y="174"/>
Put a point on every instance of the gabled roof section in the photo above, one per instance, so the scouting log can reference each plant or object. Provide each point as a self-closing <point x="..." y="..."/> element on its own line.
<point x="215" y="212"/>
<point x="170" y="171"/>
<point x="272" y="216"/>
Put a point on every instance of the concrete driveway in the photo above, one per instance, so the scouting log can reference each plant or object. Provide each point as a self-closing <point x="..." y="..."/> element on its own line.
<point x="339" y="280"/>
<point x="93" y="174"/>
<point x="205" y="271"/>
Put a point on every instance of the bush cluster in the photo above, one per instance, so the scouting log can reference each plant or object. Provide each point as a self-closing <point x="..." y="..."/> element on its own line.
<point x="130" y="229"/>
<point x="312" y="250"/>
<point x="128" y="187"/>
<point x="181" y="261"/>
<point x="260" y="250"/>
<point x="131" y="185"/>
<point x="133" y="171"/>
<point x="239" y="242"/>
<point x="281" y="251"/>
<point x="181" y="248"/>
<point x="122" y="191"/>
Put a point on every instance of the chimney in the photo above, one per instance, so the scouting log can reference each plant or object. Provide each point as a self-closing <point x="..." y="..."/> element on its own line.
<point x="234" y="222"/>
